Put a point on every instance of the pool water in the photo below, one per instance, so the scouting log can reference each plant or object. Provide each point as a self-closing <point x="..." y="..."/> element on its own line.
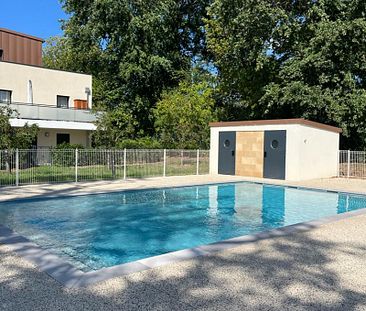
<point x="104" y="230"/>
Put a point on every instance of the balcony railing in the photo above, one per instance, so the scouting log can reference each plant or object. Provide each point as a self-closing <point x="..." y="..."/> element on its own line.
<point x="51" y="113"/>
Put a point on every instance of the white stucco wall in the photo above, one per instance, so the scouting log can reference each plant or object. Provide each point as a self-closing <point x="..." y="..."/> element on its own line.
<point x="67" y="125"/>
<point x="310" y="152"/>
<point x="318" y="153"/>
<point x="47" y="84"/>
<point x="76" y="137"/>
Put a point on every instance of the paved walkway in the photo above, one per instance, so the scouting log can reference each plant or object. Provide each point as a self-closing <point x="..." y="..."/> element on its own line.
<point x="321" y="269"/>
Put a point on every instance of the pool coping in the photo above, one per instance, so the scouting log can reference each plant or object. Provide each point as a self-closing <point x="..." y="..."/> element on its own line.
<point x="70" y="276"/>
<point x="165" y="187"/>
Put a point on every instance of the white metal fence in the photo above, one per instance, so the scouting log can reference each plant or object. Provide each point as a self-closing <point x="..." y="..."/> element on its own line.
<point x="31" y="166"/>
<point x="352" y="164"/>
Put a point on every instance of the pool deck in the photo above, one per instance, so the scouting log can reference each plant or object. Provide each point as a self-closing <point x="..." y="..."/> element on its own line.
<point x="320" y="268"/>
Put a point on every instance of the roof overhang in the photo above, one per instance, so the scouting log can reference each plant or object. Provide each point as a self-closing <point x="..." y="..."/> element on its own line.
<point x="20" y="34"/>
<point x="278" y="122"/>
<point x="65" y="125"/>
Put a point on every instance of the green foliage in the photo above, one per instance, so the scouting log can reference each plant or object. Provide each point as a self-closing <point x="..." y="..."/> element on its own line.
<point x="12" y="137"/>
<point x="275" y="59"/>
<point x="67" y="146"/>
<point x="183" y="114"/>
<point x="134" y="49"/>
<point x="114" y="126"/>
<point x="57" y="54"/>
<point x="64" y="154"/>
<point x="140" y="143"/>
<point x="283" y="59"/>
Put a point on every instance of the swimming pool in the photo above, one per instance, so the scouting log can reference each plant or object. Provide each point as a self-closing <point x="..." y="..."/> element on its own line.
<point x="104" y="230"/>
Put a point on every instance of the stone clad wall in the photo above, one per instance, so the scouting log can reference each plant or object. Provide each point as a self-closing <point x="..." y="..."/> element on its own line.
<point x="249" y="154"/>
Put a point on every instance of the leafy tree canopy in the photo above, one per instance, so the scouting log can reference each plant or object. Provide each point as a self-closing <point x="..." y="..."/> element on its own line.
<point x="302" y="58"/>
<point x="58" y="54"/>
<point x="183" y="114"/>
<point x="134" y="49"/>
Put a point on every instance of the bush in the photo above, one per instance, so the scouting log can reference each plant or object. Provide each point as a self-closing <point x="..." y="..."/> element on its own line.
<point x="68" y="146"/>
<point x="139" y="143"/>
<point x="64" y="154"/>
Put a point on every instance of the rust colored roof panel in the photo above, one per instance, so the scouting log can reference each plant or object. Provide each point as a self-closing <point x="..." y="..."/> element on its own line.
<point x="20" y="48"/>
<point x="19" y="34"/>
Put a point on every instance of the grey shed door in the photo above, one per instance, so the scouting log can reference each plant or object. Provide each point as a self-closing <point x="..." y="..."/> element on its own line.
<point x="227" y="141"/>
<point x="274" y="154"/>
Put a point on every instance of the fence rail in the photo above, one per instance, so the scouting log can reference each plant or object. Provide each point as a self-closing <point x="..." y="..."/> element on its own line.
<point x="32" y="166"/>
<point x="352" y="164"/>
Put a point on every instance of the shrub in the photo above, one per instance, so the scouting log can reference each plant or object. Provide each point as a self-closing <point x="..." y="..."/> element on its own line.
<point x="139" y="143"/>
<point x="64" y="154"/>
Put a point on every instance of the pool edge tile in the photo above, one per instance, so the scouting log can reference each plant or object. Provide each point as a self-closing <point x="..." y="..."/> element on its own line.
<point x="57" y="268"/>
<point x="104" y="274"/>
<point x="69" y="276"/>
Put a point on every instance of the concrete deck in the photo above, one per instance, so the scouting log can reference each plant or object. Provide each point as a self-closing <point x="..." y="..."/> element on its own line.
<point x="320" y="269"/>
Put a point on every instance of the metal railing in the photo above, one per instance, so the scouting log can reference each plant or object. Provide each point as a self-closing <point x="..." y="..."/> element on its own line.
<point x="32" y="166"/>
<point x="51" y="113"/>
<point x="352" y="164"/>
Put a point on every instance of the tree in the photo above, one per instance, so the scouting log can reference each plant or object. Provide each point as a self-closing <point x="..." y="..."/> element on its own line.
<point x="282" y="59"/>
<point x="183" y="114"/>
<point x="113" y="126"/>
<point x="14" y="138"/>
<point x="57" y="54"/>
<point x="135" y="50"/>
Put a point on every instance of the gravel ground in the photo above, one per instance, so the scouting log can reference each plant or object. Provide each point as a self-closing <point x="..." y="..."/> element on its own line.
<point x="321" y="269"/>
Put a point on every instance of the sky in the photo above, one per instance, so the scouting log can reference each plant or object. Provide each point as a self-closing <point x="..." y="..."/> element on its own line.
<point x="39" y="18"/>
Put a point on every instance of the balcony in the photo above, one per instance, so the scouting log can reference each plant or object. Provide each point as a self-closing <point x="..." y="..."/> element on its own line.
<point x="50" y="113"/>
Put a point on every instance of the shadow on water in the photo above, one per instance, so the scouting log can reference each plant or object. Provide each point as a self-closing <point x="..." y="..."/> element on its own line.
<point x="294" y="272"/>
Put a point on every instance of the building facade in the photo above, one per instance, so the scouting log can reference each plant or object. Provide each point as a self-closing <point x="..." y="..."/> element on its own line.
<point x="287" y="149"/>
<point x="59" y="102"/>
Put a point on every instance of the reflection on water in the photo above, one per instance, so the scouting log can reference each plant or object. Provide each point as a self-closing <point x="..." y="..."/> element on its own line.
<point x="273" y="206"/>
<point x="103" y="230"/>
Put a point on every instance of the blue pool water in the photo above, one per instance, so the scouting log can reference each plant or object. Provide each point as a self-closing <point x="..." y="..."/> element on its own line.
<point x="104" y="230"/>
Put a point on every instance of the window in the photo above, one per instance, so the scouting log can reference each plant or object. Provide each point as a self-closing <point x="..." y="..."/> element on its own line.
<point x="1" y="54"/>
<point x="62" y="138"/>
<point x="62" y="101"/>
<point x="227" y="143"/>
<point x="274" y="144"/>
<point x="5" y="96"/>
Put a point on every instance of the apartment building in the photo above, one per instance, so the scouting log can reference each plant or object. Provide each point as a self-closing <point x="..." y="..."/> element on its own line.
<point x="59" y="102"/>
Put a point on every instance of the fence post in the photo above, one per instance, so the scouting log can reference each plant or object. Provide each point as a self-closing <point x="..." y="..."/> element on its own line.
<point x="198" y="162"/>
<point x="76" y="164"/>
<point x="164" y="167"/>
<point x="124" y="163"/>
<point x="17" y="167"/>
<point x="348" y="163"/>
<point x="112" y="159"/>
